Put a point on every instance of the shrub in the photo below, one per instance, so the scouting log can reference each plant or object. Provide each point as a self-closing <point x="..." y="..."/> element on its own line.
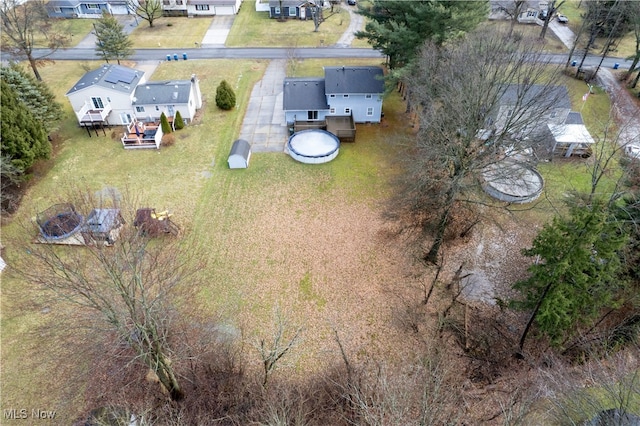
<point x="164" y="123"/>
<point x="225" y="98"/>
<point x="168" y="139"/>
<point x="178" y="122"/>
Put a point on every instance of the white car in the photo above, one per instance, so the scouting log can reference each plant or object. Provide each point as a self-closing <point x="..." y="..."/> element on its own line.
<point x="563" y="19"/>
<point x="632" y="151"/>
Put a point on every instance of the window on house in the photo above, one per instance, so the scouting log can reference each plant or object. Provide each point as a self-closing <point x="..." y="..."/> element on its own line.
<point x="292" y="11"/>
<point x="202" y="7"/>
<point x="332" y="96"/>
<point x="108" y="99"/>
<point x="509" y="113"/>
<point x="166" y="2"/>
<point x="312" y="115"/>
<point x="139" y="109"/>
<point x="370" y="111"/>
<point x="332" y="110"/>
<point x="57" y="9"/>
<point x="347" y="110"/>
<point x="532" y="13"/>
<point x="178" y="1"/>
<point x="93" y="6"/>
<point x="368" y="96"/>
<point x="345" y="96"/>
<point x="276" y="11"/>
<point x="97" y="103"/>
<point x="157" y="108"/>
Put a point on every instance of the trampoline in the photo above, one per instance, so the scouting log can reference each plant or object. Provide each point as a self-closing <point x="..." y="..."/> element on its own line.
<point x="59" y="222"/>
<point x="313" y="146"/>
<point x="512" y="182"/>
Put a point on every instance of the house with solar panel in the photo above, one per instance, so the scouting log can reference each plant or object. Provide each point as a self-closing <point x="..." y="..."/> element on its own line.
<point x="114" y="95"/>
<point x="344" y="97"/>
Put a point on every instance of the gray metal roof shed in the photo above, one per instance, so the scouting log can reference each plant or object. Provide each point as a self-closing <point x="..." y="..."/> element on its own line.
<point x="239" y="155"/>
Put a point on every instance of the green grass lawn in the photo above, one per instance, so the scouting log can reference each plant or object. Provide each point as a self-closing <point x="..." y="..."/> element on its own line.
<point x="74" y="29"/>
<point x="221" y="208"/>
<point x="178" y="32"/>
<point x="256" y="29"/>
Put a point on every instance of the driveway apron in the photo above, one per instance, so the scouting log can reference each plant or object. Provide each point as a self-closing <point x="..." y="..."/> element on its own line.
<point x="264" y="125"/>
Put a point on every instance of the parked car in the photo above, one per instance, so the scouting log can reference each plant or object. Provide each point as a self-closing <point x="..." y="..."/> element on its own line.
<point x="544" y="13"/>
<point x="632" y="151"/>
<point x="563" y="19"/>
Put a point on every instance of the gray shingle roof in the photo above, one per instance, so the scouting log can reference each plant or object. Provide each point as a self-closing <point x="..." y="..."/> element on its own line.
<point x="162" y="92"/>
<point x="556" y="94"/>
<point x="286" y="3"/>
<point x="304" y="94"/>
<point x="574" y="117"/>
<point x="63" y="3"/>
<point x="356" y="80"/>
<point x="116" y="77"/>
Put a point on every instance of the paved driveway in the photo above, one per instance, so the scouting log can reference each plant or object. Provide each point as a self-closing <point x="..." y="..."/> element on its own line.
<point x="264" y="125"/>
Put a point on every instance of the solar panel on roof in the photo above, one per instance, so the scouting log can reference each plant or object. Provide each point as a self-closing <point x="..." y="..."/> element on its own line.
<point x="118" y="75"/>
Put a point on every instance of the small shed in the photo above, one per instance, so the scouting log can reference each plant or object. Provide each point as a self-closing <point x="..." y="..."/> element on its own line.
<point x="240" y="154"/>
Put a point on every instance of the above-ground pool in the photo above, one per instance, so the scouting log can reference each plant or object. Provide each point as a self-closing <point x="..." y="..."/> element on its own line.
<point x="512" y="182"/>
<point x="313" y="146"/>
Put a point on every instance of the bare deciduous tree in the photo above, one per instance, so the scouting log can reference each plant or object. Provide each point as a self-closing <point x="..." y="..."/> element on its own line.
<point x="271" y="352"/>
<point x="147" y="10"/>
<point x="22" y="23"/>
<point x="479" y="102"/>
<point x="126" y="290"/>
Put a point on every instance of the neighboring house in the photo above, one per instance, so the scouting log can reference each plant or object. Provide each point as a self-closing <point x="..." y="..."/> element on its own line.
<point x="200" y="7"/>
<point x="114" y="95"/>
<point x="86" y="8"/>
<point x="530" y="11"/>
<point x="344" y="91"/>
<point x="290" y="9"/>
<point x="555" y="100"/>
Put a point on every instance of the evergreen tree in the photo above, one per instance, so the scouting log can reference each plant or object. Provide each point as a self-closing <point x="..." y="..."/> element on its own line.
<point x="111" y="40"/>
<point x="178" y="122"/>
<point x="400" y="28"/>
<point x="24" y="139"/>
<point x="576" y="272"/>
<point x="225" y="97"/>
<point x="36" y="95"/>
<point x="164" y="124"/>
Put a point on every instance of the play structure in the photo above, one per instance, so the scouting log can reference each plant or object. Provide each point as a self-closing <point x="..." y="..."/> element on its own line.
<point x="152" y="224"/>
<point x="62" y="224"/>
<point x="313" y="146"/>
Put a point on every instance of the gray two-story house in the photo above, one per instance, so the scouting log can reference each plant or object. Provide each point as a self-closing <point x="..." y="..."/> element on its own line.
<point x="343" y="92"/>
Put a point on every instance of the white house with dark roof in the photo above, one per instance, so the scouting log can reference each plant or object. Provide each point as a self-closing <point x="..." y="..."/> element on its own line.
<point x="200" y="7"/>
<point x="114" y="95"/>
<point x="88" y="8"/>
<point x="104" y="96"/>
<point x="155" y="97"/>
<point x="343" y="92"/>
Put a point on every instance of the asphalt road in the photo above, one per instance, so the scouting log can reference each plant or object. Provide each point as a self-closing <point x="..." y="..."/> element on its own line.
<point x="77" y="54"/>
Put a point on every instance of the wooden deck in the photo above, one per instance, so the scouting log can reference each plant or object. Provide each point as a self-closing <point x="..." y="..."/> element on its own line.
<point x="343" y="127"/>
<point x="148" y="135"/>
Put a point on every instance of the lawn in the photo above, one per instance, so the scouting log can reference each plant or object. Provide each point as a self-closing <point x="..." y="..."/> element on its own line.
<point x="307" y="238"/>
<point x="274" y="221"/>
<point x="175" y="32"/>
<point x="75" y="29"/>
<point x="256" y="29"/>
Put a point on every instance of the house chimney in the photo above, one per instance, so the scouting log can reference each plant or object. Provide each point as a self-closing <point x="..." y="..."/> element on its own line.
<point x="195" y="86"/>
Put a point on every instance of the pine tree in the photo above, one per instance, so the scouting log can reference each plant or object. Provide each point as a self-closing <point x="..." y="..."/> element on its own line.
<point x="36" y="95"/>
<point x="178" y="122"/>
<point x="225" y="97"/>
<point x="111" y="40"/>
<point x="24" y="139"/>
<point x="577" y="272"/>
<point x="164" y="123"/>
